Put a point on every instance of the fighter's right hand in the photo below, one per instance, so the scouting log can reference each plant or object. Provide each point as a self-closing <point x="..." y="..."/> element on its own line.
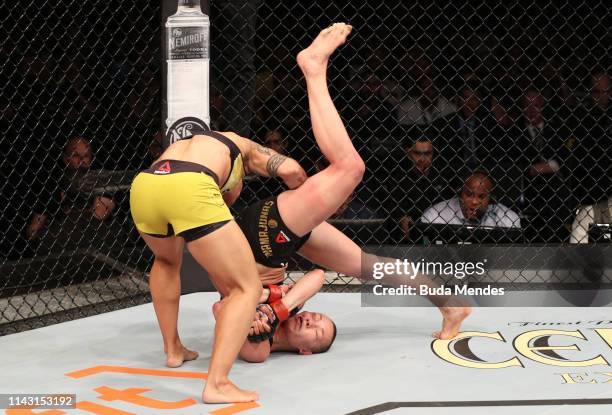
<point x="275" y="313"/>
<point x="259" y="325"/>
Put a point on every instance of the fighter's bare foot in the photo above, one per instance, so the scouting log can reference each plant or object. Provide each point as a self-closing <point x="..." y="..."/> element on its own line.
<point x="226" y="392"/>
<point x="177" y="357"/>
<point x="313" y="60"/>
<point x="451" y="323"/>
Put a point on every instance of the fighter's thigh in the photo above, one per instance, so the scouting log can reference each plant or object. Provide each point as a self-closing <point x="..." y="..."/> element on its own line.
<point x="329" y="247"/>
<point x="168" y="250"/>
<point x="227" y="256"/>
<point x="304" y="208"/>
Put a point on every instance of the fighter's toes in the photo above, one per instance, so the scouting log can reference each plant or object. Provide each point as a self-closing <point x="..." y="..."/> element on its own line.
<point x="336" y="34"/>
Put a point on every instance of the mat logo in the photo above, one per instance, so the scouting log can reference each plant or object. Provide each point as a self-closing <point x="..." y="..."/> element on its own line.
<point x="533" y="345"/>
<point x="136" y="396"/>
<point x="576" y="378"/>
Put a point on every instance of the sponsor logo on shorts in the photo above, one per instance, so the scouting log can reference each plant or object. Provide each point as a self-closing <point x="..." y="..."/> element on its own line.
<point x="263" y="233"/>
<point x="282" y="238"/>
<point x="163" y="169"/>
<point x="272" y="223"/>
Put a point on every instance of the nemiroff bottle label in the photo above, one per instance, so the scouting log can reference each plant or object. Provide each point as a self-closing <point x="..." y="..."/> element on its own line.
<point x="188" y="43"/>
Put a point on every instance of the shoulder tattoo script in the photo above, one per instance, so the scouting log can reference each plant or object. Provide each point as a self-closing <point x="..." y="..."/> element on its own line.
<point x="262" y="149"/>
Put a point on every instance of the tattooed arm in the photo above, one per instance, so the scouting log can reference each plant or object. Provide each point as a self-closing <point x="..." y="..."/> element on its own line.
<point x="267" y="162"/>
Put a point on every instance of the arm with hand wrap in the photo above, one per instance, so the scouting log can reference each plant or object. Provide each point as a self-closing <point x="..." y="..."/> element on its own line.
<point x="255" y="352"/>
<point x="279" y="310"/>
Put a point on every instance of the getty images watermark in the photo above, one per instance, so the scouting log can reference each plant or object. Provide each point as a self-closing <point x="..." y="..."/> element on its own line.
<point x="401" y="277"/>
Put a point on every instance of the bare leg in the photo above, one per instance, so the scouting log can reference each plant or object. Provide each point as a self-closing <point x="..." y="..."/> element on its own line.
<point x="320" y="196"/>
<point x="227" y="256"/>
<point x="329" y="247"/>
<point x="165" y="286"/>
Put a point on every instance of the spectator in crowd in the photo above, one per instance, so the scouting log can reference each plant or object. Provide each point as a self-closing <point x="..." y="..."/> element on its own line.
<point x="429" y="106"/>
<point x="542" y="138"/>
<point x="275" y="140"/>
<point x="372" y="117"/>
<point x="556" y="91"/>
<point x="473" y="207"/>
<point x="600" y="212"/>
<point x="544" y="154"/>
<point x="372" y="124"/>
<point x="504" y="147"/>
<point x="593" y="153"/>
<point x="289" y="93"/>
<point x="414" y="64"/>
<point x="467" y="139"/>
<point x="77" y="160"/>
<point x="415" y="185"/>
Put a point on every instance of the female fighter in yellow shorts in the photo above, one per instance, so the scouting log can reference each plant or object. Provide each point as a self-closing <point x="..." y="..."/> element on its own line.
<point x="179" y="200"/>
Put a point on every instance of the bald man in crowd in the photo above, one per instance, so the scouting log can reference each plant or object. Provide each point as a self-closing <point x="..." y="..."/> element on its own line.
<point x="473" y="207"/>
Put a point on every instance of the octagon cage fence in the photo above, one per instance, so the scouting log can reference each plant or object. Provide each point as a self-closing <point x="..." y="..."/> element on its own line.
<point x="506" y="103"/>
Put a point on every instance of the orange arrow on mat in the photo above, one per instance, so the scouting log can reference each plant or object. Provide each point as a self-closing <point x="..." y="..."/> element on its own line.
<point x="133" y="395"/>
<point x="235" y="408"/>
<point x="136" y="371"/>
<point x="86" y="406"/>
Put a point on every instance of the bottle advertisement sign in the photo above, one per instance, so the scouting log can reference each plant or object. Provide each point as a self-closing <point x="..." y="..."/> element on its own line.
<point x="188" y="43"/>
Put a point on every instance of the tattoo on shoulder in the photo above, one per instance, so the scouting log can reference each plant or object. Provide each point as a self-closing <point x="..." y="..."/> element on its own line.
<point x="262" y="149"/>
<point x="273" y="163"/>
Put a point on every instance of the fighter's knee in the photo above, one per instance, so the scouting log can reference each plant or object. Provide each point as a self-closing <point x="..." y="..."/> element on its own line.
<point x="360" y="167"/>
<point x="166" y="263"/>
<point x="349" y="162"/>
<point x="353" y="168"/>
<point x="248" y="293"/>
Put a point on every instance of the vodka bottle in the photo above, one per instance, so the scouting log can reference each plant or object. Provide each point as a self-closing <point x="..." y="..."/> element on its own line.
<point x="187" y="81"/>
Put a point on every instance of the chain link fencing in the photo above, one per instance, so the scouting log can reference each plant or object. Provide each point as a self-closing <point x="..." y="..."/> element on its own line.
<point x="482" y="124"/>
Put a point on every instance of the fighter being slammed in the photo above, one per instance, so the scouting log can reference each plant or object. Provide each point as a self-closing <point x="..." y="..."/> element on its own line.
<point x="294" y="221"/>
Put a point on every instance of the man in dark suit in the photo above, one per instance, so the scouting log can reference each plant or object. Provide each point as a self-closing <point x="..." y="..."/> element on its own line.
<point x="420" y="180"/>
<point x="544" y="155"/>
<point x="592" y="173"/>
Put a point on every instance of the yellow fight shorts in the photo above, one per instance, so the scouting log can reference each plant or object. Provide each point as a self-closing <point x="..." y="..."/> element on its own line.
<point x="177" y="198"/>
